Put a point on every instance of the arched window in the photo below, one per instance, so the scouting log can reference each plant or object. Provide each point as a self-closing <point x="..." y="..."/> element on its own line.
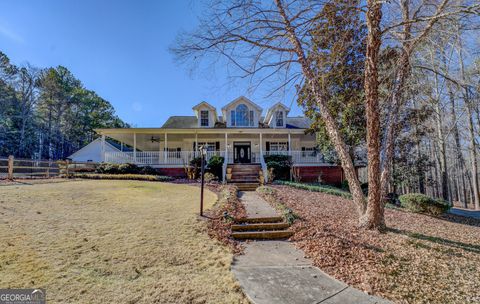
<point x="243" y="117"/>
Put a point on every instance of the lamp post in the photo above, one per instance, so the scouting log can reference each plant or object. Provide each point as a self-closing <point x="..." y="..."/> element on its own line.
<point x="203" y="153"/>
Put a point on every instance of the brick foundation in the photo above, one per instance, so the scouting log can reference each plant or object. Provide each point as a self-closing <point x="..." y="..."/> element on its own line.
<point x="173" y="172"/>
<point x="330" y="175"/>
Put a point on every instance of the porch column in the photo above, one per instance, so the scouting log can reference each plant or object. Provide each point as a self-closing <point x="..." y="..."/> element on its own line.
<point x="226" y="148"/>
<point x="289" y="145"/>
<point x="165" y="153"/>
<point x="159" y="150"/>
<point x="196" y="145"/>
<point x="261" y="146"/>
<point x="134" y="147"/>
<point x="103" y="148"/>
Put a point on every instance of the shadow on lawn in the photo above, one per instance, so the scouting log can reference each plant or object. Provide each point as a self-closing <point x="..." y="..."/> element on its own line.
<point x="437" y="240"/>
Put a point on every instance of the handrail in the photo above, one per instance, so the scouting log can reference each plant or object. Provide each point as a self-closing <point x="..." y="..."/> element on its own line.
<point x="264" y="168"/>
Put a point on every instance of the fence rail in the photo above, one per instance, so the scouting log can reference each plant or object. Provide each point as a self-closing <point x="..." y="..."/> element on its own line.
<point x="11" y="168"/>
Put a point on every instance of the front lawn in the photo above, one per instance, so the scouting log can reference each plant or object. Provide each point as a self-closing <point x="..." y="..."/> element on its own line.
<point x="112" y="242"/>
<point x="419" y="259"/>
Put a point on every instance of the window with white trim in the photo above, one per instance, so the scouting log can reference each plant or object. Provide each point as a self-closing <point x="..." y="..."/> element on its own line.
<point x="204" y="119"/>
<point x="209" y="145"/>
<point x="309" y="151"/>
<point x="279" y="118"/>
<point x="241" y="116"/>
<point x="232" y="118"/>
<point x="279" y="146"/>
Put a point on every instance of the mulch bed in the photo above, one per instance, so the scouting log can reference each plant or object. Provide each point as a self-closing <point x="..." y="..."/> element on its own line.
<point x="419" y="259"/>
<point x="219" y="226"/>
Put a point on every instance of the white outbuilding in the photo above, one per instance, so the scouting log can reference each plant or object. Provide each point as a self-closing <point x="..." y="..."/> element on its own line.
<point x="93" y="152"/>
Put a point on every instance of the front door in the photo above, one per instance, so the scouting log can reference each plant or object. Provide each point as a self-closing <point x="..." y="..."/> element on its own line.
<point x="242" y="152"/>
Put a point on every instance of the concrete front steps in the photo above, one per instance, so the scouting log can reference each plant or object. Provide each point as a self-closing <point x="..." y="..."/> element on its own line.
<point x="245" y="176"/>
<point x="261" y="228"/>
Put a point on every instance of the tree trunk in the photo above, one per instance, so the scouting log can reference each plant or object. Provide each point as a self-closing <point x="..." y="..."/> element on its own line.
<point x="330" y="124"/>
<point x="473" y="156"/>
<point x="374" y="214"/>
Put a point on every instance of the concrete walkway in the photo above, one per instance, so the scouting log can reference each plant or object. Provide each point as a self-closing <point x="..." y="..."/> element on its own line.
<point x="466" y="212"/>
<point x="276" y="272"/>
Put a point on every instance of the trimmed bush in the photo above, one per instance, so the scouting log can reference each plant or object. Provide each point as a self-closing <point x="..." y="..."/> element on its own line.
<point x="148" y="170"/>
<point x="150" y="178"/>
<point x="317" y="188"/>
<point x="280" y="164"/>
<point x="128" y="169"/>
<point x="420" y="203"/>
<point x="215" y="166"/>
<point x="107" y="168"/>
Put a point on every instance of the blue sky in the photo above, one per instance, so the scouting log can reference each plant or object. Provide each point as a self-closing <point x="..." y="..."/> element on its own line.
<point x="120" y="50"/>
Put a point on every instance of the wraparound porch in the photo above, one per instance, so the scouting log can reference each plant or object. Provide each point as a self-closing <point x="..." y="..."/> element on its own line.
<point x="175" y="148"/>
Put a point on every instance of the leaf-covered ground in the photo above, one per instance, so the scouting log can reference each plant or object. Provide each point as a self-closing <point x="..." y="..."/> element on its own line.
<point x="419" y="259"/>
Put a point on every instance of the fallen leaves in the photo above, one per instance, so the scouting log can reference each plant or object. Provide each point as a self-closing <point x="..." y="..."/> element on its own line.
<point x="419" y="259"/>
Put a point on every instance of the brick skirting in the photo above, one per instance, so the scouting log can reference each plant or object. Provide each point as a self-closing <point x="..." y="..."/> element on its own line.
<point x="330" y="175"/>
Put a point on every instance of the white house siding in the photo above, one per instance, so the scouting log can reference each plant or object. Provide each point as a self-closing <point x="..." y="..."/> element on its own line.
<point x="92" y="152"/>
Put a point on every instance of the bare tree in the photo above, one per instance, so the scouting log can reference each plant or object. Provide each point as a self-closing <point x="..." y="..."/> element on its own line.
<point x="265" y="40"/>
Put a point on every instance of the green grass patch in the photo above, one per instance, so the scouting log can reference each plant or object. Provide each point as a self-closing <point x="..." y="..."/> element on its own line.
<point x="317" y="188"/>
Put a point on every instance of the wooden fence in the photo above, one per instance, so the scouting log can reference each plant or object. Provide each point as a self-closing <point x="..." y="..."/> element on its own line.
<point x="11" y="168"/>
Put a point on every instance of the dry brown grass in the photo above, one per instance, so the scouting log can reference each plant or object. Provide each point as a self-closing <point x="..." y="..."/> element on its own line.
<point x="112" y="242"/>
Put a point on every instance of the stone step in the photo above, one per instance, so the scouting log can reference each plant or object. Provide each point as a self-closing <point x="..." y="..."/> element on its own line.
<point x="268" y="234"/>
<point x="245" y="171"/>
<point x="246" y="187"/>
<point x="260" y="226"/>
<point x="270" y="219"/>
<point x="248" y="180"/>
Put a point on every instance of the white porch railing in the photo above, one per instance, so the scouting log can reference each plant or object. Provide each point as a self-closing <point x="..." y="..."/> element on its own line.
<point x="300" y="157"/>
<point x="156" y="157"/>
<point x="183" y="157"/>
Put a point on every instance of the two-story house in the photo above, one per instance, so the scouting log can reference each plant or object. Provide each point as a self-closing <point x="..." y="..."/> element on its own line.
<point x="240" y="133"/>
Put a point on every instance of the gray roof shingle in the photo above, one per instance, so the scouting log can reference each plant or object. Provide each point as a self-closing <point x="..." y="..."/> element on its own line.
<point x="180" y="122"/>
<point x="189" y="122"/>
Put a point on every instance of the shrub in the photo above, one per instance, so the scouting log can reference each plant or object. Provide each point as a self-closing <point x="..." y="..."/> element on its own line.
<point x="128" y="169"/>
<point x="209" y="177"/>
<point x="107" y="168"/>
<point x="196" y="165"/>
<point x="215" y="166"/>
<point x="281" y="165"/>
<point x="151" y="178"/>
<point x="417" y="202"/>
<point x="196" y="162"/>
<point x="148" y="170"/>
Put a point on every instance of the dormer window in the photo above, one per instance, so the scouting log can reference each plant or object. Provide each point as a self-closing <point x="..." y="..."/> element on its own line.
<point x="241" y="116"/>
<point x="279" y="118"/>
<point x="204" y="119"/>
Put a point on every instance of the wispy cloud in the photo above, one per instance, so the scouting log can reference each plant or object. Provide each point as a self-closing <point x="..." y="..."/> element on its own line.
<point x="8" y="33"/>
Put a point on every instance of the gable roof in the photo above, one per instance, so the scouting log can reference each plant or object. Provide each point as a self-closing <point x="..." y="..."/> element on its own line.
<point x="273" y="108"/>
<point x="246" y="100"/>
<point x="206" y="104"/>
<point x="95" y="142"/>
